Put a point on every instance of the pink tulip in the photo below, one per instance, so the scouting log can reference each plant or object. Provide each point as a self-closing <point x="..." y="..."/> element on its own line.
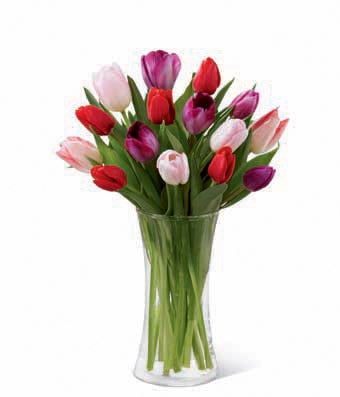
<point x="77" y="152"/>
<point x="267" y="131"/>
<point x="112" y="88"/>
<point x="173" y="167"/>
<point x="232" y="133"/>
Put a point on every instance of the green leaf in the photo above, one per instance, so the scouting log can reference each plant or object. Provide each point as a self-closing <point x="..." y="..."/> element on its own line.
<point x="138" y="101"/>
<point x="140" y="201"/>
<point x="222" y="92"/>
<point x="104" y="149"/>
<point x="237" y="180"/>
<point x="238" y="198"/>
<point x="209" y="200"/>
<point x="175" y="143"/>
<point x="181" y="101"/>
<point x="195" y="179"/>
<point x="91" y="98"/>
<point x="164" y="143"/>
<point x="243" y="151"/>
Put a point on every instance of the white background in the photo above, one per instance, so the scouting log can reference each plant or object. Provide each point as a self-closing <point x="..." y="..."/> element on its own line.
<point x="72" y="276"/>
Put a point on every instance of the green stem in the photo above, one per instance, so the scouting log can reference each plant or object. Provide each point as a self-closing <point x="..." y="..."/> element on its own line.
<point x="196" y="346"/>
<point x="125" y="118"/>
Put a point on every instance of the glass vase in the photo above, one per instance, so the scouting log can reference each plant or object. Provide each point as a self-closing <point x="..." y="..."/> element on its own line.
<point x="176" y="347"/>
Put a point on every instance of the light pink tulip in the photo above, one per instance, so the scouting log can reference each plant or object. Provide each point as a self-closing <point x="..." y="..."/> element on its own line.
<point x="112" y="88"/>
<point x="77" y="152"/>
<point x="173" y="167"/>
<point x="232" y="133"/>
<point x="267" y="131"/>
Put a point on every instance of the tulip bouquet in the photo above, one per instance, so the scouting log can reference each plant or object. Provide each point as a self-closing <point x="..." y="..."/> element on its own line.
<point x="179" y="162"/>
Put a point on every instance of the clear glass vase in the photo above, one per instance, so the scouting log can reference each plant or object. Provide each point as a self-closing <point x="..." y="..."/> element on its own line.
<point x="176" y="347"/>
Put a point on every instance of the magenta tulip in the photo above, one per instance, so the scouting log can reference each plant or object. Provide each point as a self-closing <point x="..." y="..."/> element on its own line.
<point x="258" y="178"/>
<point x="245" y="104"/>
<point x="198" y="113"/>
<point x="160" y="69"/>
<point x="141" y="142"/>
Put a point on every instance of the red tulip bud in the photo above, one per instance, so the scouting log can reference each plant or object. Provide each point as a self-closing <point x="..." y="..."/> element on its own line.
<point x="222" y="165"/>
<point x="160" y="106"/>
<point x="100" y="121"/>
<point x="109" y="177"/>
<point x="208" y="77"/>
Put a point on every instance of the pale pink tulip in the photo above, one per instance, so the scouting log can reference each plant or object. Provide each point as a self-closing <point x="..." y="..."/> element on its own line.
<point x="267" y="131"/>
<point x="77" y="152"/>
<point x="173" y="167"/>
<point x="232" y="133"/>
<point x="112" y="88"/>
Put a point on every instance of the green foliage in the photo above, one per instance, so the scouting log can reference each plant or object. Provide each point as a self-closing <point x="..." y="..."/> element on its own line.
<point x="222" y="92"/>
<point x="209" y="200"/>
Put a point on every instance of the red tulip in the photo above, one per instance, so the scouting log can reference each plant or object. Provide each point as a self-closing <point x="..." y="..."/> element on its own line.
<point x="222" y="165"/>
<point x="100" y="121"/>
<point x="208" y="77"/>
<point x="109" y="177"/>
<point x="160" y="106"/>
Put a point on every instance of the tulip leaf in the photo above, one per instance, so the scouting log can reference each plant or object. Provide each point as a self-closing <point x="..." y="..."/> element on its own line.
<point x="138" y="101"/>
<point x="209" y="200"/>
<point x="104" y="149"/>
<point x="243" y="151"/>
<point x="91" y="98"/>
<point x="237" y="180"/>
<point x="140" y="201"/>
<point x="175" y="143"/>
<point x="181" y="101"/>
<point x="222" y="92"/>
<point x="238" y="198"/>
<point x="164" y="143"/>
<point x="195" y="178"/>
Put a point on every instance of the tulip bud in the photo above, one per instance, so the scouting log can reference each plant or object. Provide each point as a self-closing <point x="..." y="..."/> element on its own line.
<point x="100" y="121"/>
<point x="245" y="104"/>
<point x="208" y="77"/>
<point x="160" y="69"/>
<point x="77" y="153"/>
<point x="232" y="133"/>
<point x="222" y="165"/>
<point x="198" y="113"/>
<point x="173" y="167"/>
<point x="141" y="142"/>
<point x="160" y="106"/>
<point x="112" y="88"/>
<point x="109" y="177"/>
<point x="258" y="178"/>
<point x="267" y="131"/>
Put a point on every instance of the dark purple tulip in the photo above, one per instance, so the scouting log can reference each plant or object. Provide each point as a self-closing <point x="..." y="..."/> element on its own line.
<point x="160" y="69"/>
<point x="198" y="113"/>
<point x="141" y="142"/>
<point x="258" y="178"/>
<point x="245" y="104"/>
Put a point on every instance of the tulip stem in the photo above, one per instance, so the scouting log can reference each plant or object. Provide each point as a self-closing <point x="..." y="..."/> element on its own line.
<point x="125" y="118"/>
<point x="232" y="195"/>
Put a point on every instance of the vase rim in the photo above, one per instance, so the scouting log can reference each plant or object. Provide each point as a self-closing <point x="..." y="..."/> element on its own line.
<point x="177" y="217"/>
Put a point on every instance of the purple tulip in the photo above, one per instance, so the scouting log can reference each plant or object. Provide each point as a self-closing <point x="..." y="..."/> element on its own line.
<point x="160" y="69"/>
<point x="245" y="104"/>
<point x="258" y="178"/>
<point x="198" y="113"/>
<point x="141" y="142"/>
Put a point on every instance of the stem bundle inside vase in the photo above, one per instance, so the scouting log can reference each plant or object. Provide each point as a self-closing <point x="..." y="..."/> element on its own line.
<point x="178" y="269"/>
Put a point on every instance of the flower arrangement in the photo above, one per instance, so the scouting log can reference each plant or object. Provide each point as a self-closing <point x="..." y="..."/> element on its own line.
<point x="177" y="161"/>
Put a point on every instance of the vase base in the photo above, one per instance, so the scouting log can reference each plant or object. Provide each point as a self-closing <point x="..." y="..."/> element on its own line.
<point x="186" y="377"/>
